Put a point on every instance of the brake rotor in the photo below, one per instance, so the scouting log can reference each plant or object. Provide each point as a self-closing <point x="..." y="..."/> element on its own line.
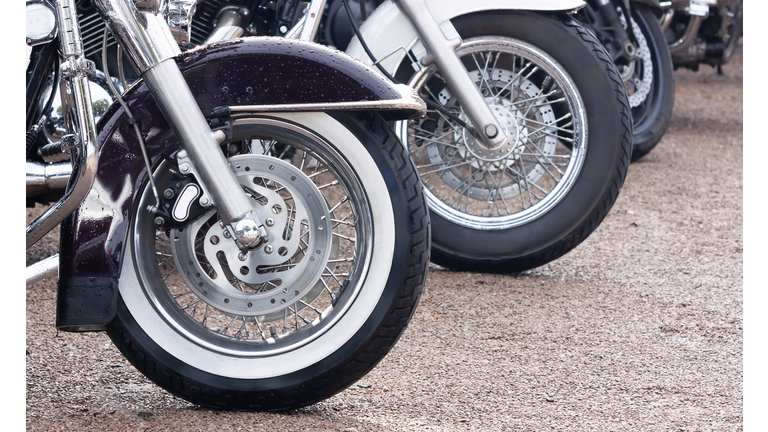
<point x="281" y="272"/>
<point x="513" y="124"/>
<point x="642" y="87"/>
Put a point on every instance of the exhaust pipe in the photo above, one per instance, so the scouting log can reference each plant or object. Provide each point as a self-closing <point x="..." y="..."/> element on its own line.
<point x="229" y="24"/>
<point x="42" y="178"/>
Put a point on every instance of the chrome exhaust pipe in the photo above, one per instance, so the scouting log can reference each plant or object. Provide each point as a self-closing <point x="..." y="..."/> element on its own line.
<point x="228" y="25"/>
<point x="43" y="178"/>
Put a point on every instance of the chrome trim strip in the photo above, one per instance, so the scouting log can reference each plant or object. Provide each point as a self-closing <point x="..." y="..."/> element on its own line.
<point x="42" y="270"/>
<point x="409" y="101"/>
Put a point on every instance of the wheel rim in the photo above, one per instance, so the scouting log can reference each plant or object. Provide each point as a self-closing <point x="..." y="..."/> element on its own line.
<point x="537" y="103"/>
<point x="269" y="301"/>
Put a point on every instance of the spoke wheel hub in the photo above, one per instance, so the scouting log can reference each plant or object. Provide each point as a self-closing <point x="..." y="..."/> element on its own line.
<point x="505" y="114"/>
<point x="280" y="272"/>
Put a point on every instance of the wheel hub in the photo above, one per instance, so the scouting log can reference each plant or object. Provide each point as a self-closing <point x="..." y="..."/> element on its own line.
<point x="508" y="127"/>
<point x="281" y="271"/>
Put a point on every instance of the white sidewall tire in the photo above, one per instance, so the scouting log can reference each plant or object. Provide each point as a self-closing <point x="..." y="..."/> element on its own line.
<point x="374" y="282"/>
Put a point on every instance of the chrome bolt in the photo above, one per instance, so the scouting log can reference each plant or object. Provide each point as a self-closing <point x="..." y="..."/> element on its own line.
<point x="270" y="221"/>
<point x="168" y="193"/>
<point x="283" y="29"/>
<point x="242" y="256"/>
<point x="268" y="249"/>
<point x="227" y="234"/>
<point x="184" y="168"/>
<point x="205" y="202"/>
<point x="491" y="130"/>
<point x="159" y="221"/>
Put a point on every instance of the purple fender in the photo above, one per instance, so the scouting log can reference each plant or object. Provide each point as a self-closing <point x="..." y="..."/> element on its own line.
<point x="251" y="72"/>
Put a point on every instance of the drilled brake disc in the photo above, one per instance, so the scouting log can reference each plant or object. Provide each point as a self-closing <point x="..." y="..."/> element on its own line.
<point x="282" y="271"/>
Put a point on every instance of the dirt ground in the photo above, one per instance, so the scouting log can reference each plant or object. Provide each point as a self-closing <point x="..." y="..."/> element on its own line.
<point x="638" y="329"/>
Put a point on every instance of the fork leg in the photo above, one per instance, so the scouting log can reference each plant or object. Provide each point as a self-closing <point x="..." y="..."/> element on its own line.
<point x="442" y="52"/>
<point x="150" y="44"/>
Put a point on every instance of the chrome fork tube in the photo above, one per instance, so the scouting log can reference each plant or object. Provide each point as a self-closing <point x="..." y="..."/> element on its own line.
<point x="147" y="39"/>
<point x="443" y="53"/>
<point x="75" y="69"/>
<point x="174" y="98"/>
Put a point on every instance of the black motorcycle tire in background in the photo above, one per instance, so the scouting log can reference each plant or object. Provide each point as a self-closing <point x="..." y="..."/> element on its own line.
<point x="593" y="170"/>
<point x="237" y="344"/>
<point x="652" y="115"/>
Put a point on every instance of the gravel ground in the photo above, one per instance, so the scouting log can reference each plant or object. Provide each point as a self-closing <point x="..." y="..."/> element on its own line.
<point x="638" y="329"/>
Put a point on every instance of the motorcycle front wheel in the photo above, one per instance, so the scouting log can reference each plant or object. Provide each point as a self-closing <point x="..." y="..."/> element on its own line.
<point x="649" y="78"/>
<point x="554" y="90"/>
<point x="306" y="314"/>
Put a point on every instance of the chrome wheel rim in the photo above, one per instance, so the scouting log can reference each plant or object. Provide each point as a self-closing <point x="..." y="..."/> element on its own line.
<point x="267" y="302"/>
<point x="537" y="103"/>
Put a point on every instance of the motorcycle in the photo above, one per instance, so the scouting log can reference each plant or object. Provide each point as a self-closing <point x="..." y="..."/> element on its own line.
<point x="639" y="49"/>
<point x="241" y="220"/>
<point x="702" y="31"/>
<point x="528" y="132"/>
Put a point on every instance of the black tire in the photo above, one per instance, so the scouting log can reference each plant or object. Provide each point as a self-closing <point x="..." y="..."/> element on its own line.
<point x="574" y="215"/>
<point x="371" y="308"/>
<point x="651" y="114"/>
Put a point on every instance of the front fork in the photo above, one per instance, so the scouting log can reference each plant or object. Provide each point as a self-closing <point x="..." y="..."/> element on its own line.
<point x="147" y="39"/>
<point x="625" y="47"/>
<point x="443" y="53"/>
